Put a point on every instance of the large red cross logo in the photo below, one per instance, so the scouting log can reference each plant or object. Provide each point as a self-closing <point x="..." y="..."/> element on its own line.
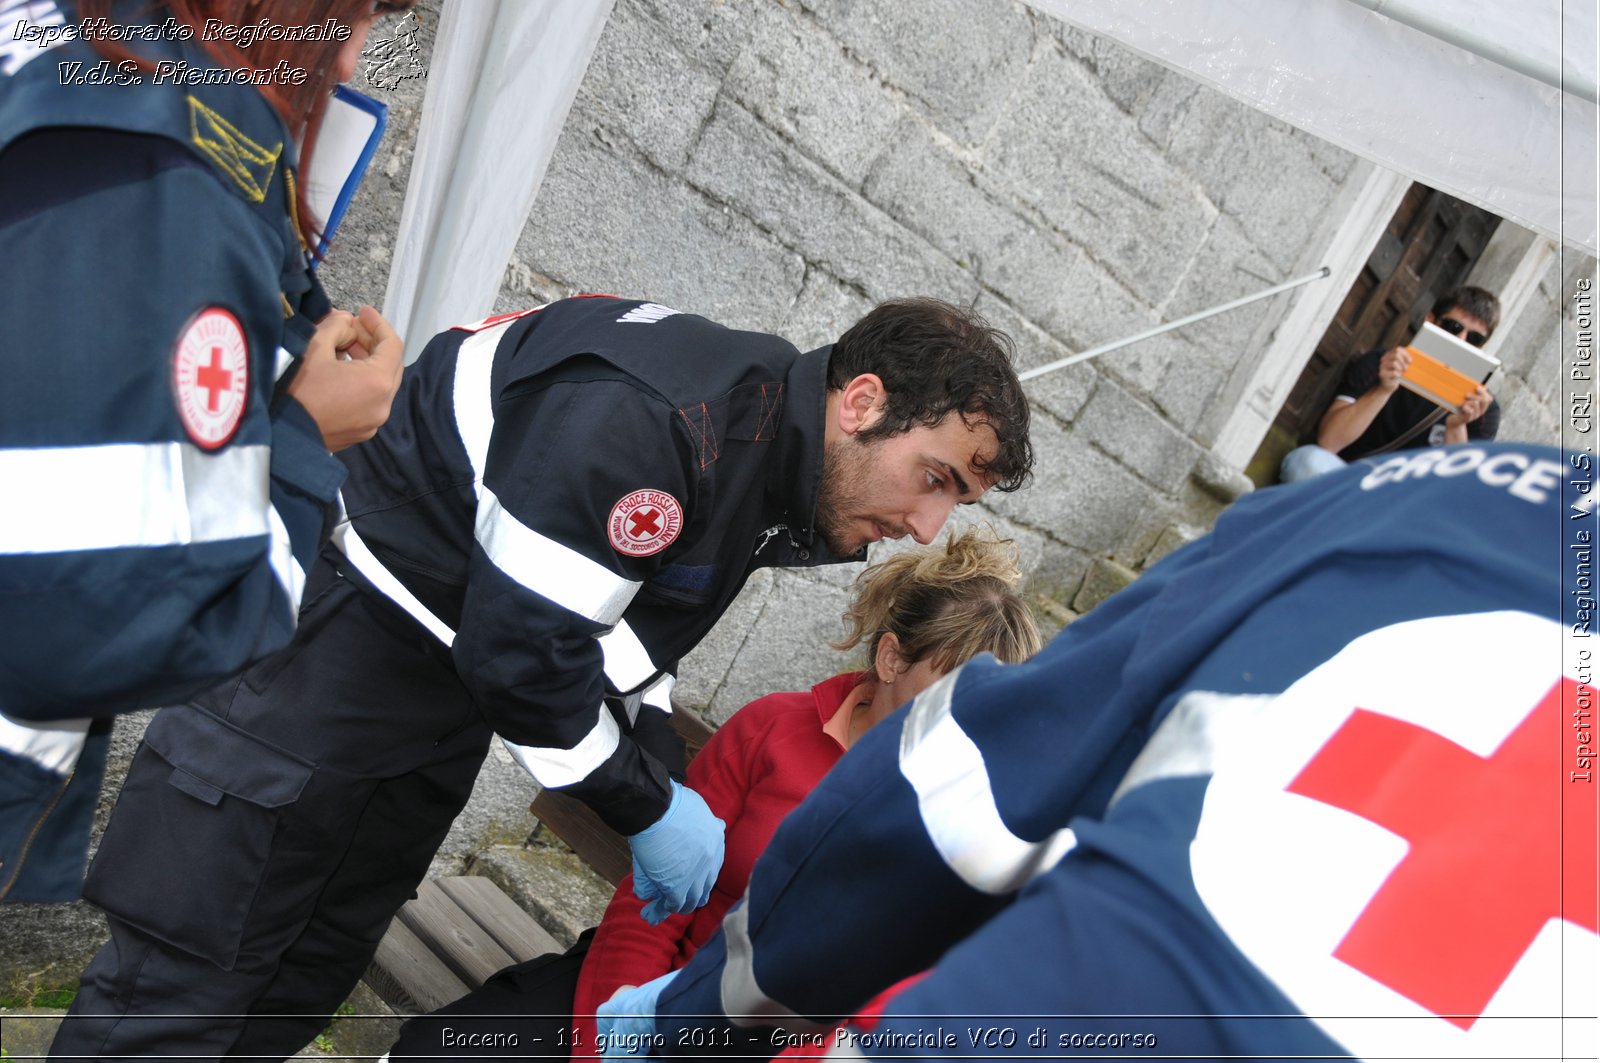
<point x="214" y="378"/>
<point x="1498" y="846"/>
<point x="643" y="523"/>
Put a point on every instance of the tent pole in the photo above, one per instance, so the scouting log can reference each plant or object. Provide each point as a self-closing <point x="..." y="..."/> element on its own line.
<point x="1106" y="348"/>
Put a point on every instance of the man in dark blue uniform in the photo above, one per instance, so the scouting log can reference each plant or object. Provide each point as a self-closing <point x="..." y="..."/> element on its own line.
<point x="1319" y="784"/>
<point x="563" y="503"/>
<point x="171" y="395"/>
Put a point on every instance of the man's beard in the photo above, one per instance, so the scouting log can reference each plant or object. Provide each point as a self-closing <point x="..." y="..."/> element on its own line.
<point x="847" y="474"/>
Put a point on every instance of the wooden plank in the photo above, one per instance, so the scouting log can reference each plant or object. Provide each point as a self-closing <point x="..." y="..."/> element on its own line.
<point x="586" y="833"/>
<point x="453" y="935"/>
<point x="513" y="929"/>
<point x="408" y="976"/>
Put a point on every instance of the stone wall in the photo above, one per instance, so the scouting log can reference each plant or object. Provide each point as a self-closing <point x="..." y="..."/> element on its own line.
<point x="1529" y="387"/>
<point x="785" y="164"/>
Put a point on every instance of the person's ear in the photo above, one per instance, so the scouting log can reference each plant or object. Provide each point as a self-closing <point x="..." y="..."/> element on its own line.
<point x="861" y="403"/>
<point x="887" y="662"/>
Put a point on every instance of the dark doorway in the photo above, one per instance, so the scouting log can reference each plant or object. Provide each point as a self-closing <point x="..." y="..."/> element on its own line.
<point x="1429" y="247"/>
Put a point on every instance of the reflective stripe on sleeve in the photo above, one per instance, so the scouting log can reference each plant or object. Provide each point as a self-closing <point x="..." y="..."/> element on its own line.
<point x="659" y="693"/>
<point x="627" y="662"/>
<point x="548" y="568"/>
<point x="553" y="766"/>
<point x="61" y="499"/>
<point x="947" y="771"/>
<point x="54" y="746"/>
<point x="1186" y="742"/>
<point x="281" y="361"/>
<point x="291" y="577"/>
<point x="744" y="1002"/>
<point x="474" y="401"/>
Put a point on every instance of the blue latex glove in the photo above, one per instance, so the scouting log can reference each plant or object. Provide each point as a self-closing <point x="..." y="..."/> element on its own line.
<point x="625" y="1025"/>
<point x="676" y="858"/>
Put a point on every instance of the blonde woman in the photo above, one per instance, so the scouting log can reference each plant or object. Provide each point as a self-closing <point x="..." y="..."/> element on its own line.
<point x="918" y="615"/>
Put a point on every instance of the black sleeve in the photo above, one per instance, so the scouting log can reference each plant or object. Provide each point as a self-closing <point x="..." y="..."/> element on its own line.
<point x="573" y="471"/>
<point x="1360" y="375"/>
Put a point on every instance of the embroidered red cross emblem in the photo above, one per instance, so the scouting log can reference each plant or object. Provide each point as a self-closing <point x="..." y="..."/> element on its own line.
<point x="643" y="523"/>
<point x="214" y="378"/>
<point x="1498" y="846"/>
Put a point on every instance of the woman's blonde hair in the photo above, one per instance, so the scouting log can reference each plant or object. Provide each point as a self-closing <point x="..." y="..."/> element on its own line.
<point x="950" y="604"/>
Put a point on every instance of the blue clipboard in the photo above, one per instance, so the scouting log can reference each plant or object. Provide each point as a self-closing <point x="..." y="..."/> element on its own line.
<point x="351" y="129"/>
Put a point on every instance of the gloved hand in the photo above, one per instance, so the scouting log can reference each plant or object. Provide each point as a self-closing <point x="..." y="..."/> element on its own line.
<point x="676" y="858"/>
<point x="625" y="1025"/>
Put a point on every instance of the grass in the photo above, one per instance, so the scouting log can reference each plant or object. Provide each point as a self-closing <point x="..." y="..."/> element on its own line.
<point x="42" y="997"/>
<point x="324" y="1040"/>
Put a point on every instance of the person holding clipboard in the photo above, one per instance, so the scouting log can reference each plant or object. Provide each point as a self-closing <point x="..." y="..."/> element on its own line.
<point x="1380" y="408"/>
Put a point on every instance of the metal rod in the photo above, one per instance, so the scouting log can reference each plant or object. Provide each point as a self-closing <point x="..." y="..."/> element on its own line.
<point x="1105" y="348"/>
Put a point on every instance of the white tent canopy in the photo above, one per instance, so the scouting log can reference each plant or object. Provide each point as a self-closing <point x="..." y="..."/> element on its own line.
<point x="1490" y="102"/>
<point x="1493" y="103"/>
<point x="504" y="74"/>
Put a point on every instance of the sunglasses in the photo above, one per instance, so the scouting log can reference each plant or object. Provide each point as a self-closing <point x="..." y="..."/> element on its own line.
<point x="1456" y="328"/>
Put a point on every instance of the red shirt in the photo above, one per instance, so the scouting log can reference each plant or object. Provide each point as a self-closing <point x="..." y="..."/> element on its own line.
<point x="755" y="768"/>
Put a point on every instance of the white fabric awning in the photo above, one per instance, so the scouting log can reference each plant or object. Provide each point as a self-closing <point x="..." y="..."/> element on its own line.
<point x="503" y="77"/>
<point x="1493" y="103"/>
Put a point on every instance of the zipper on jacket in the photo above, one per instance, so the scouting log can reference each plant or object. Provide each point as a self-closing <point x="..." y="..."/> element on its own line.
<point x="22" y="853"/>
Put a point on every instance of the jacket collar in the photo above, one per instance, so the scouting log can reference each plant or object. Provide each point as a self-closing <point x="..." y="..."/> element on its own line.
<point x="795" y="480"/>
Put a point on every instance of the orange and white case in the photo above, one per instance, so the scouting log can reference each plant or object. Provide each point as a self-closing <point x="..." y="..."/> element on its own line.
<point x="1445" y="370"/>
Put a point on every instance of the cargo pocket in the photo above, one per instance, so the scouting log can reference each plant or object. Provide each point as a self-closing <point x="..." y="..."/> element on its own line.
<point x="188" y="842"/>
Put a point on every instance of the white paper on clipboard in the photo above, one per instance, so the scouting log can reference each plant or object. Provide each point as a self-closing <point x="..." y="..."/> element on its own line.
<point x="349" y="137"/>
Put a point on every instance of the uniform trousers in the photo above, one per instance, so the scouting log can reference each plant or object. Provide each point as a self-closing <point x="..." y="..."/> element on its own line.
<point x="268" y="832"/>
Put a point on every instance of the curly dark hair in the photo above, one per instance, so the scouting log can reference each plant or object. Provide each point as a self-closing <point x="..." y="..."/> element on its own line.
<point x="934" y="358"/>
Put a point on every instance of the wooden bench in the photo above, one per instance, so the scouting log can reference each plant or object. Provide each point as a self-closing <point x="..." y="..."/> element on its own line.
<point x="459" y="931"/>
<point x="586" y="833"/>
<point x="448" y="940"/>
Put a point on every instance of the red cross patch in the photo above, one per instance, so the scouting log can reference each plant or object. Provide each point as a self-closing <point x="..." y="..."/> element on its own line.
<point x="211" y="376"/>
<point x="644" y="522"/>
<point x="1398" y="843"/>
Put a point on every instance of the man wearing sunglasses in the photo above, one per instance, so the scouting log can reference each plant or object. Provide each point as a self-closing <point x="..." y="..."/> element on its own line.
<point x="1372" y="415"/>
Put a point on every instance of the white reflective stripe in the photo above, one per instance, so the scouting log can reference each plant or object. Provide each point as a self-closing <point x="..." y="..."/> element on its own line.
<point x="474" y="404"/>
<point x="627" y="662"/>
<point x="552" y="766"/>
<point x="360" y="555"/>
<point x="946" y="770"/>
<point x="548" y="568"/>
<point x="60" y="499"/>
<point x="281" y="361"/>
<point x="290" y="575"/>
<point x="743" y="1000"/>
<point x="54" y="746"/>
<point x="659" y="693"/>
<point x="1186" y="742"/>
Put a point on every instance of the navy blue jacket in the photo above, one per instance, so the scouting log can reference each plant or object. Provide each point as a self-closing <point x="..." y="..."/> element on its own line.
<point x="1311" y="786"/>
<point x="571" y="497"/>
<point x="163" y="496"/>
